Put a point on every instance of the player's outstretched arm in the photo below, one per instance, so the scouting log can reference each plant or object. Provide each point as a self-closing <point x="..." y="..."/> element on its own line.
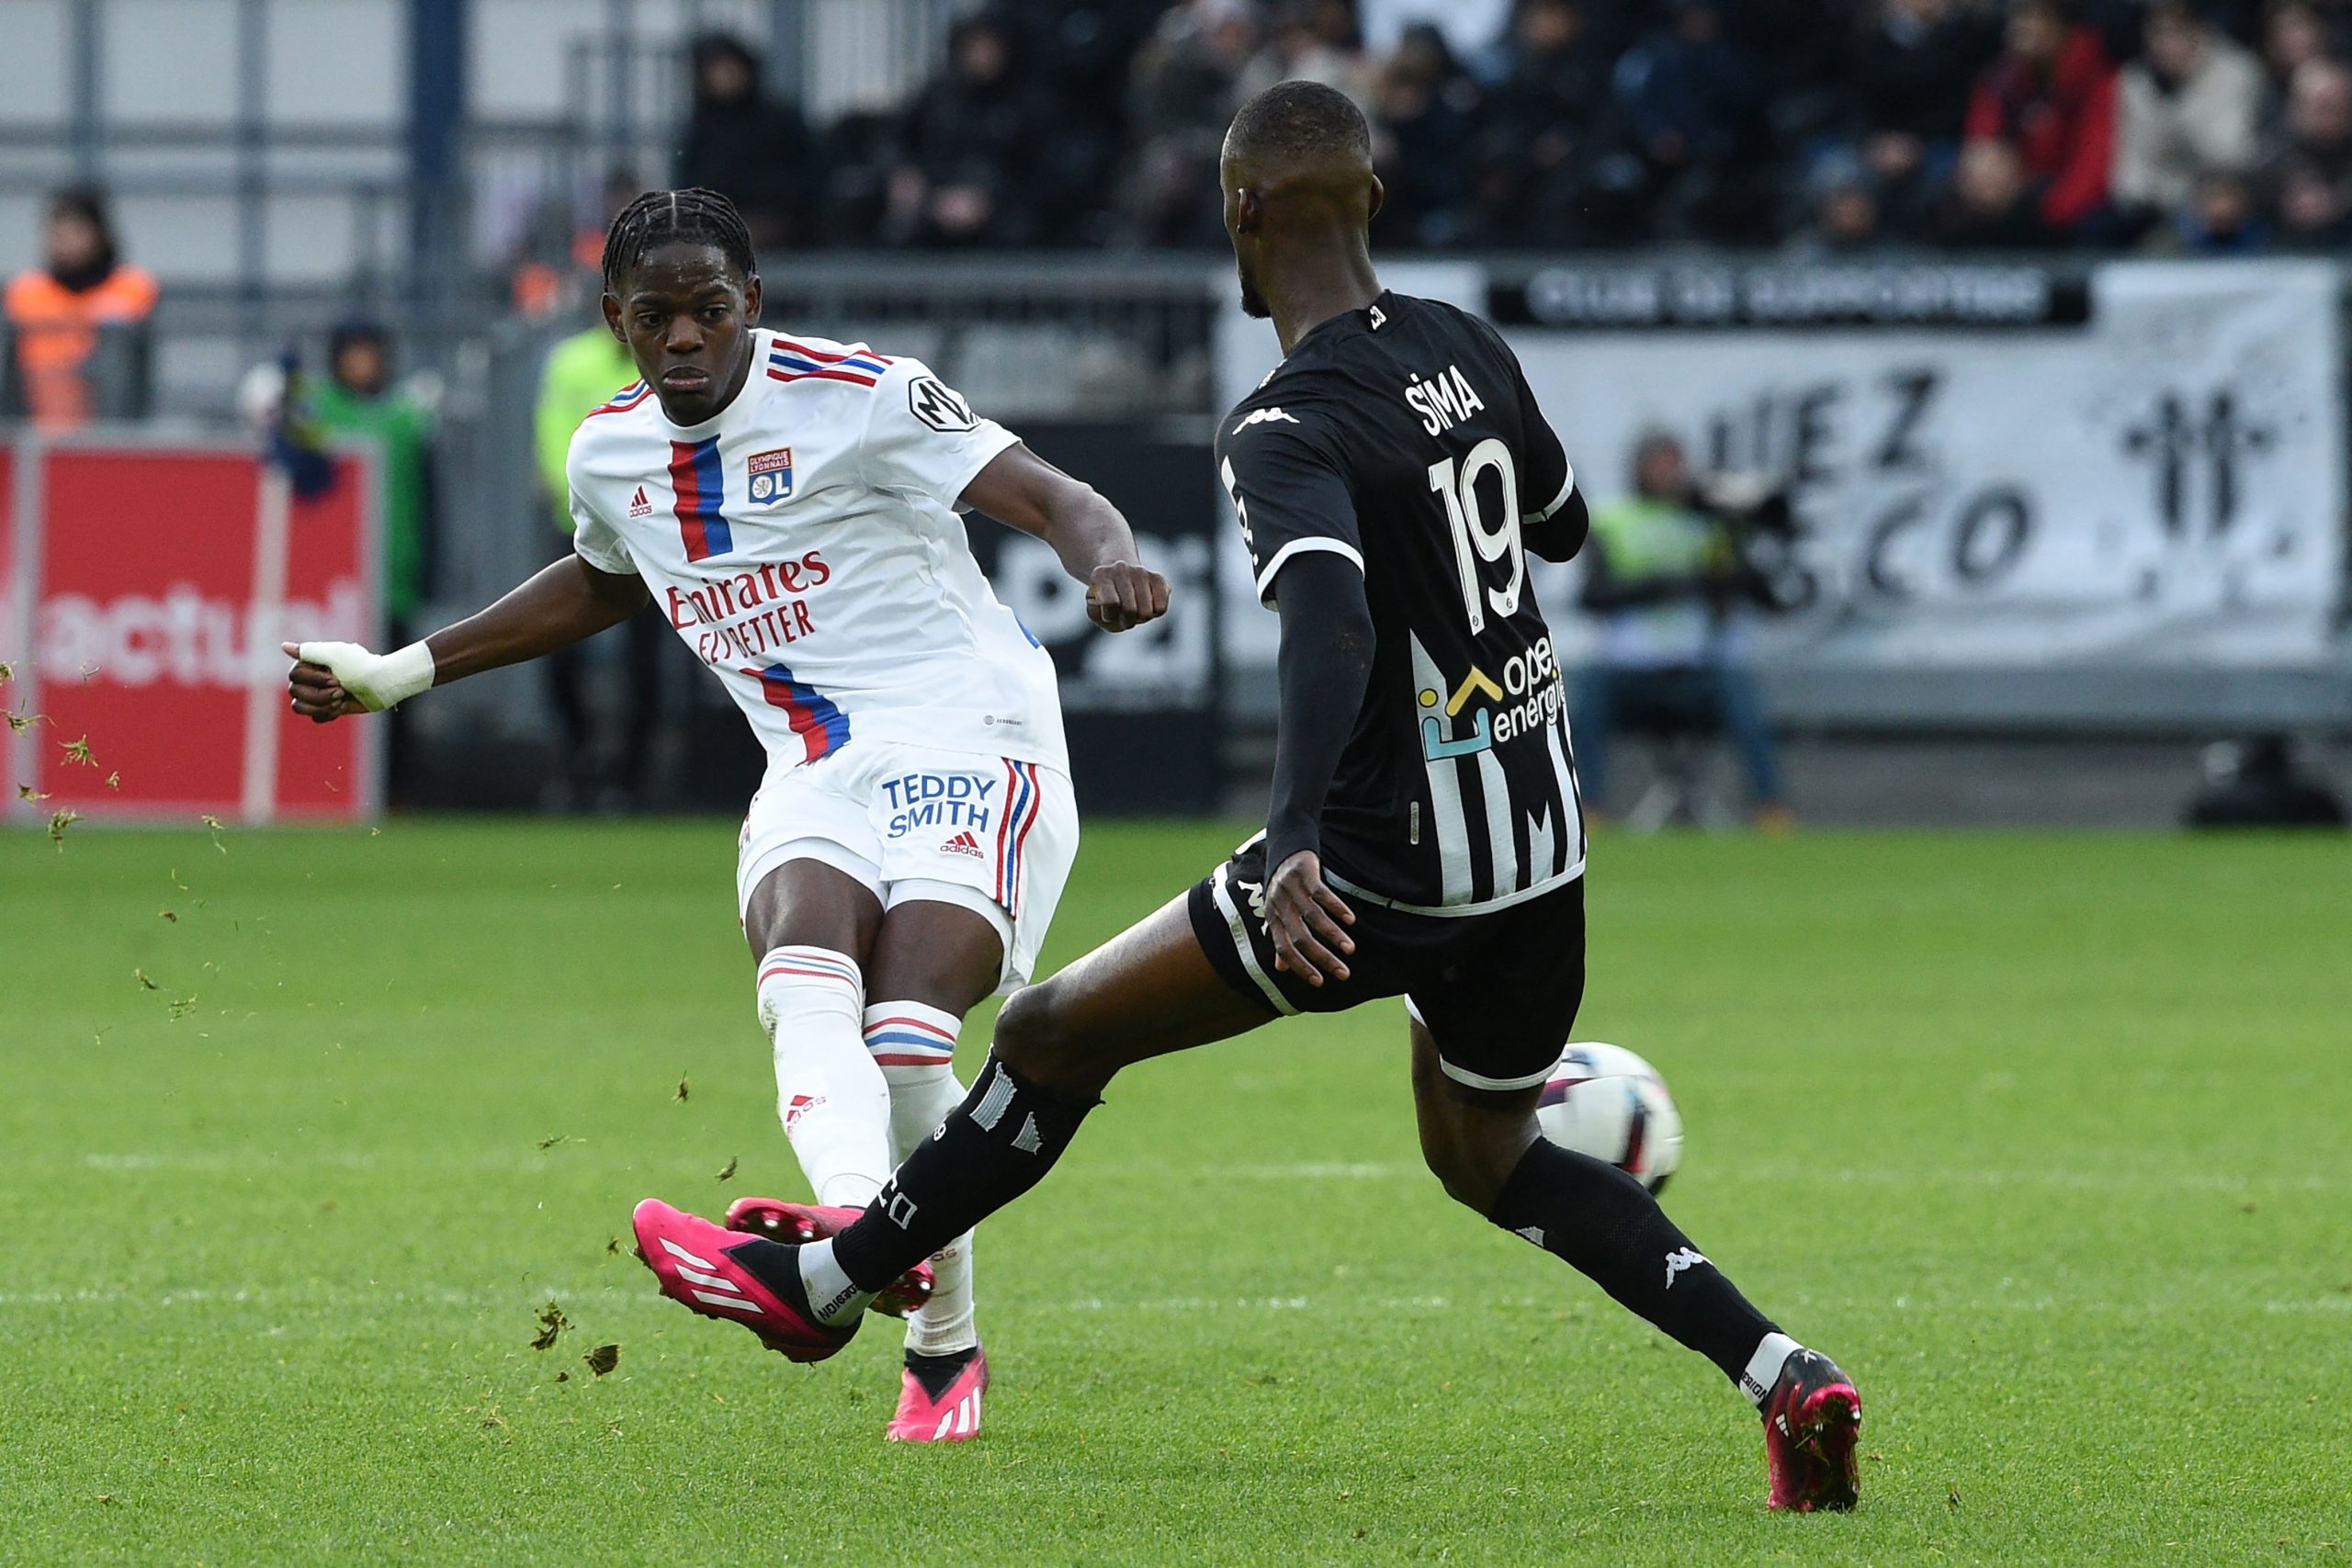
<point x="1022" y="491"/>
<point x="564" y="603"/>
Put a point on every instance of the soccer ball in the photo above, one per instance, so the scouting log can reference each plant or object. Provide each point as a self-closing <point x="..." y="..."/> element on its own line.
<point x="1605" y="1101"/>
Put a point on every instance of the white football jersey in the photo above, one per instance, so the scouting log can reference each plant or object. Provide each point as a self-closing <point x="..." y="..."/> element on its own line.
<point x="805" y="544"/>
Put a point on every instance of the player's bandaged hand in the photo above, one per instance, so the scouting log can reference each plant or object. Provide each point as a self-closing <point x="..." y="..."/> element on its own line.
<point x="331" y="679"/>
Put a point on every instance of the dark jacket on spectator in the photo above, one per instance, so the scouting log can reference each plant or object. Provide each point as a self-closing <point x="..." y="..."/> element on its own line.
<point x="1915" y="82"/>
<point x="758" y="154"/>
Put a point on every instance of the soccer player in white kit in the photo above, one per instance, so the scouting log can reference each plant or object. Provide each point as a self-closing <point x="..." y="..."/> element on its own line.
<point x="791" y="505"/>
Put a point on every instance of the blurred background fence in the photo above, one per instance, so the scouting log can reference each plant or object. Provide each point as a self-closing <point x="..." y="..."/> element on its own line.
<point x="2032" y="518"/>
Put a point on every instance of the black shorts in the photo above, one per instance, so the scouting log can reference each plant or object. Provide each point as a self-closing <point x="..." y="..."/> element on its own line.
<point x="1497" y="991"/>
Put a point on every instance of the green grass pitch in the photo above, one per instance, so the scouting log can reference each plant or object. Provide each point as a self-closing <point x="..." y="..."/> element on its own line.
<point x="2045" y="1138"/>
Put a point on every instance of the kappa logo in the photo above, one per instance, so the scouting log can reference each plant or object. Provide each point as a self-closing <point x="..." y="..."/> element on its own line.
<point x="931" y="402"/>
<point x="1263" y="416"/>
<point x="964" y="844"/>
<point x="1680" y="1259"/>
<point x="639" y="506"/>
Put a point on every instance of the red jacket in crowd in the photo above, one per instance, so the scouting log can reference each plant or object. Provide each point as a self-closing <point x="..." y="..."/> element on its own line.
<point x="2063" y="125"/>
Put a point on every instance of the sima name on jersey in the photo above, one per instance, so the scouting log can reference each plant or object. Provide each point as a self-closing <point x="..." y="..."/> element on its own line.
<point x="1443" y="400"/>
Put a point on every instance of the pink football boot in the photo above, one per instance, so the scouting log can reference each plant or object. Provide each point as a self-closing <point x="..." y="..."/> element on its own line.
<point x="718" y="1273"/>
<point x="939" y="1398"/>
<point x="800" y="1223"/>
<point x="1810" y="1419"/>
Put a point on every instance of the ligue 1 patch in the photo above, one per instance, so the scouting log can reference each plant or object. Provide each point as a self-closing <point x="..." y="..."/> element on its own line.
<point x="770" y="476"/>
<point x="940" y="407"/>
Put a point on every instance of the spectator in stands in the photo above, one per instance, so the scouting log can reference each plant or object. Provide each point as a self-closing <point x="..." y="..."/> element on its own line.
<point x="2050" y="100"/>
<point x="582" y="373"/>
<point x="357" y="402"/>
<point x="756" y="153"/>
<point x="1910" y="70"/>
<point x="1991" y="205"/>
<point x="969" y="147"/>
<point x="1180" y="99"/>
<point x="1667" y="576"/>
<point x="1846" y="221"/>
<point x="1075" y="55"/>
<point x="2187" y="109"/>
<point x="559" y="262"/>
<point x="2310" y="172"/>
<point x="2223" y="218"/>
<point x="1695" y="102"/>
<point x="1426" y="119"/>
<point x="1551" y="168"/>
<point x="2294" y="32"/>
<point x="1310" y="40"/>
<point x="78" y="323"/>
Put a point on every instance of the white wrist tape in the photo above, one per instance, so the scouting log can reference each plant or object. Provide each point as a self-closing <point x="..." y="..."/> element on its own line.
<point x="379" y="680"/>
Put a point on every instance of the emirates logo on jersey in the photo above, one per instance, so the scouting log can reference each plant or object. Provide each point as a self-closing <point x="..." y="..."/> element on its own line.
<point x="639" y="506"/>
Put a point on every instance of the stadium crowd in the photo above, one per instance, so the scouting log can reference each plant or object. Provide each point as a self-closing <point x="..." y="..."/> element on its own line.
<point x="1829" y="126"/>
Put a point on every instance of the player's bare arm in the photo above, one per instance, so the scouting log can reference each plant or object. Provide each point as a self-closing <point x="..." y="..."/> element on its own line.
<point x="566" y="602"/>
<point x="1022" y="491"/>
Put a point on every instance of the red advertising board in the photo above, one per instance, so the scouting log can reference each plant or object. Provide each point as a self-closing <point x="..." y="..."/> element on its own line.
<point x="163" y="580"/>
<point x="12" y="645"/>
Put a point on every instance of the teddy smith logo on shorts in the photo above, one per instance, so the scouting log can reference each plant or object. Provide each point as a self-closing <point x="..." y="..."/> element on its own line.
<point x="940" y="800"/>
<point x="752" y="613"/>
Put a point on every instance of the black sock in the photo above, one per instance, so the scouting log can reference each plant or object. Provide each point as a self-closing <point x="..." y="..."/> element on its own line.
<point x="1600" y="1221"/>
<point x="996" y="1145"/>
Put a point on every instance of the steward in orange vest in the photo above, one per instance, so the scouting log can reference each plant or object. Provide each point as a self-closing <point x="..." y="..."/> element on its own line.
<point x="56" y="315"/>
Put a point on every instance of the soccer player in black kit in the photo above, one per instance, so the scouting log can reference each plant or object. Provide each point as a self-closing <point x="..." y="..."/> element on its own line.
<point x="1390" y="478"/>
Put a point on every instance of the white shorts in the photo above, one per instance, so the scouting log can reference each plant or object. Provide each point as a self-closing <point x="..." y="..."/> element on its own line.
<point x="990" y="834"/>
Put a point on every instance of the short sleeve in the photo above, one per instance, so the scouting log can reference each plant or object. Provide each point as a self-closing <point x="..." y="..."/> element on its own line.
<point x="1289" y="491"/>
<point x="593" y="539"/>
<point x="921" y="438"/>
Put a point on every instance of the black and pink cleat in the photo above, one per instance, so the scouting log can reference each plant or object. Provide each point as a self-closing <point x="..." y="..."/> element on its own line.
<point x="799" y="1224"/>
<point x="1810" y="1419"/>
<point x="720" y="1273"/>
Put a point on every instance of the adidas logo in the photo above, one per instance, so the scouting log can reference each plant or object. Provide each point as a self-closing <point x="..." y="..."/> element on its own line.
<point x="1677" y="1261"/>
<point x="800" y="1106"/>
<point x="639" y="506"/>
<point x="964" y="844"/>
<point x="700" y="1272"/>
<point x="962" y="1421"/>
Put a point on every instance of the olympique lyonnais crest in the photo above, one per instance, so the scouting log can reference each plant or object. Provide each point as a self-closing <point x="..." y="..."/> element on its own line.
<point x="770" y="476"/>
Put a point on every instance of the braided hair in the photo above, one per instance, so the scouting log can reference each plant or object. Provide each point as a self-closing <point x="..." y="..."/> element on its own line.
<point x="661" y="217"/>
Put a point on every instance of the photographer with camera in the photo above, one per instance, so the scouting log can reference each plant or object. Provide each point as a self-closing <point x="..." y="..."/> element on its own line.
<point x="1669" y="576"/>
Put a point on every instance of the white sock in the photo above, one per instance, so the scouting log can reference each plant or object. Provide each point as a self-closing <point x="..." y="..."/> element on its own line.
<point x="1763" y="1370"/>
<point x="831" y="1096"/>
<point x="915" y="1047"/>
<point x="830" y="1295"/>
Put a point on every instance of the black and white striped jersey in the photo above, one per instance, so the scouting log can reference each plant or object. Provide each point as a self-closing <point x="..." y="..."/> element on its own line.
<point x="1404" y="438"/>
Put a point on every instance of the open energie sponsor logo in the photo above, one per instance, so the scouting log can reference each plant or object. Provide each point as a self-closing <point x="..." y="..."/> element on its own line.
<point x="1529" y="697"/>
